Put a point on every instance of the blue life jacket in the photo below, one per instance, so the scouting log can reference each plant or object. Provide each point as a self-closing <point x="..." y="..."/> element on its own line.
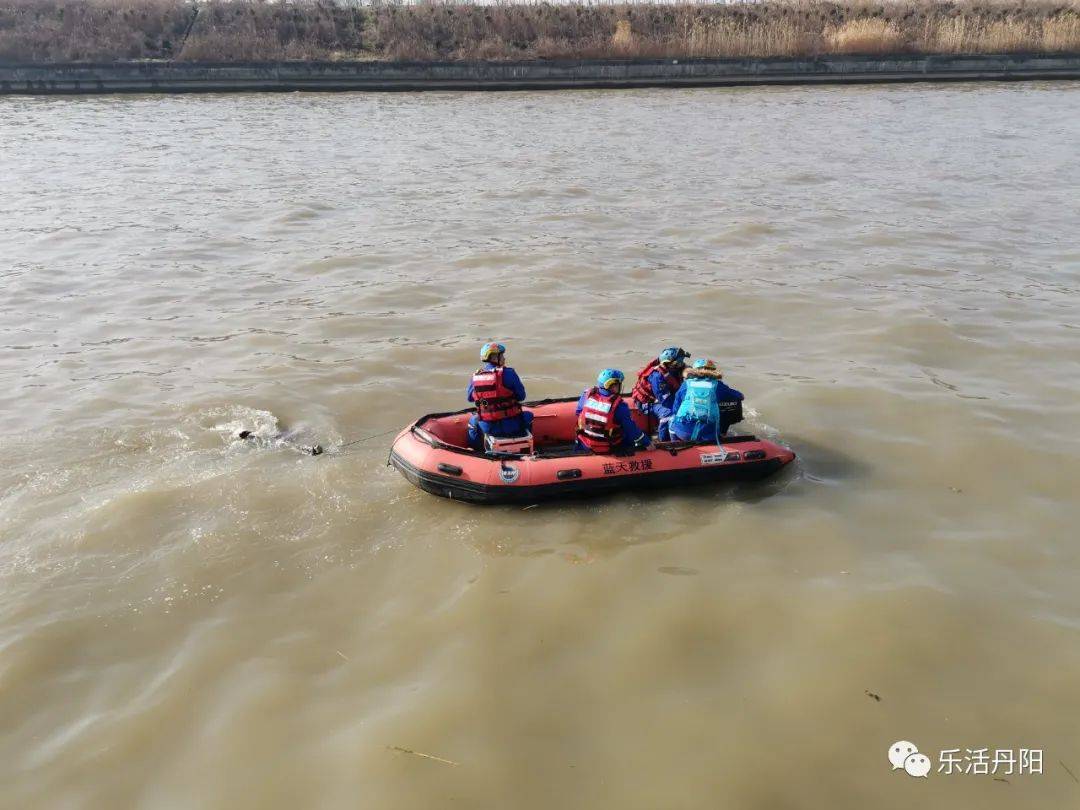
<point x="699" y="406"/>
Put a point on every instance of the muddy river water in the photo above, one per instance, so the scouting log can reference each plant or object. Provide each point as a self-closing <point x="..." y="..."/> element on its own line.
<point x="890" y="274"/>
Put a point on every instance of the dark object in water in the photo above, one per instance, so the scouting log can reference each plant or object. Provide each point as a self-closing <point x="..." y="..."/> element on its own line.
<point x="284" y="439"/>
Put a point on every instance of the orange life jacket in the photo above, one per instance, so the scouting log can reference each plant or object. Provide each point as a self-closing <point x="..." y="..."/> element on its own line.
<point x="643" y="393"/>
<point x="597" y="428"/>
<point x="494" y="401"/>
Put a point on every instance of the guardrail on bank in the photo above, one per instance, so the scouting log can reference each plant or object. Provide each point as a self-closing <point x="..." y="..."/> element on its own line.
<point x="201" y="77"/>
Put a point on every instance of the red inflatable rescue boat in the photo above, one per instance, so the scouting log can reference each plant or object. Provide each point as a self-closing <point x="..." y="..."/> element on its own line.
<point x="433" y="454"/>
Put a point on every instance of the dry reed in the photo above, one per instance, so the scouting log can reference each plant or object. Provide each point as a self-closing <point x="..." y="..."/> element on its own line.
<point x="866" y="35"/>
<point x="233" y="30"/>
<point x="66" y="31"/>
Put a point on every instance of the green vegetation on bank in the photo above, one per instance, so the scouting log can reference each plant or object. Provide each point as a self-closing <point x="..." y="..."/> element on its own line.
<point x="241" y="30"/>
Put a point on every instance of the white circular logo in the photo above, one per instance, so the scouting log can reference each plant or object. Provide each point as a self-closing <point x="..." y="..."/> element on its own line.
<point x="509" y="474"/>
<point x="905" y="756"/>
<point x="899" y="751"/>
<point x="917" y="765"/>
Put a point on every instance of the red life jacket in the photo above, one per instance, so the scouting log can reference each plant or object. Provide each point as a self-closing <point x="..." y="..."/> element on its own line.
<point x="494" y="401"/>
<point x="643" y="393"/>
<point x="597" y="427"/>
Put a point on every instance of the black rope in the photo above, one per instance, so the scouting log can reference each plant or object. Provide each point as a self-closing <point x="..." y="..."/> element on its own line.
<point x="368" y="438"/>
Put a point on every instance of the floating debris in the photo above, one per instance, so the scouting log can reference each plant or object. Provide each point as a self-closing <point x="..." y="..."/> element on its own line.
<point x="282" y="440"/>
<point x="399" y="749"/>
<point x="678" y="570"/>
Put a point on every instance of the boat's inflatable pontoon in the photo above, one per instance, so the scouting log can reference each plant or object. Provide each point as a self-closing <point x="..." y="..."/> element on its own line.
<point x="433" y="454"/>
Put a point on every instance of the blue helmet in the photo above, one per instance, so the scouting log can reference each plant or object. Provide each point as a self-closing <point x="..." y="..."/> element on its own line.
<point x="674" y="354"/>
<point x="488" y="349"/>
<point x="703" y="363"/>
<point x="609" y="377"/>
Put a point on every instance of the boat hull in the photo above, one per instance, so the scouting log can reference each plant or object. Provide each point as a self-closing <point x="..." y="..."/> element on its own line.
<point x="428" y="462"/>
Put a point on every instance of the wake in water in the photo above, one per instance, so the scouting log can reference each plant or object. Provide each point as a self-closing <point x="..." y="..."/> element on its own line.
<point x="287" y="439"/>
<point x="120" y="496"/>
<point x="261" y="429"/>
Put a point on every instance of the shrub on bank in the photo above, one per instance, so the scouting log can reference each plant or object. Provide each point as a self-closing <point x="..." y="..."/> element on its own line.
<point x="242" y="30"/>
<point x="233" y="30"/>
<point x="81" y="30"/>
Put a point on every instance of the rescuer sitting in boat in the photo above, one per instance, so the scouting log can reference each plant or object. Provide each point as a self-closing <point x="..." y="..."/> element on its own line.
<point x="656" y="386"/>
<point x="498" y="393"/>
<point x="604" y="421"/>
<point x="705" y="407"/>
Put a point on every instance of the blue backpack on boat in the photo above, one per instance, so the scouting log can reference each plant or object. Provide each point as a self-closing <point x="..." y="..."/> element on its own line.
<point x="699" y="405"/>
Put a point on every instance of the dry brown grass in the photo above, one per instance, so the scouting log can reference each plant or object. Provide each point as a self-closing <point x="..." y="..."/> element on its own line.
<point x="1011" y="33"/>
<point x="231" y="30"/>
<point x="1061" y="33"/>
<point x="800" y="27"/>
<point x="243" y="30"/>
<point x="78" y="30"/>
<point x="623" y="40"/>
<point x="866" y="35"/>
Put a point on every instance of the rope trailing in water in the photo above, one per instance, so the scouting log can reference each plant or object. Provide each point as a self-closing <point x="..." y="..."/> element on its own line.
<point x="368" y="438"/>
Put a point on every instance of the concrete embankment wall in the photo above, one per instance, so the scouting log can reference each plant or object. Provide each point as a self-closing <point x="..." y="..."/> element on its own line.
<point x="198" y="77"/>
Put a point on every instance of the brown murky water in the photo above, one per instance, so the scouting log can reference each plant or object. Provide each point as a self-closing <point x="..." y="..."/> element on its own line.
<point x="890" y="274"/>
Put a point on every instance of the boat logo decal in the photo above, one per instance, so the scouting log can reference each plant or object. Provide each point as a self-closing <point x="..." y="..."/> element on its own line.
<point x="509" y="474"/>
<point x="714" y="458"/>
<point x="614" y="468"/>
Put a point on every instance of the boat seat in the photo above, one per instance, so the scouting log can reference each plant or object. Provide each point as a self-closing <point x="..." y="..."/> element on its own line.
<point x="503" y="446"/>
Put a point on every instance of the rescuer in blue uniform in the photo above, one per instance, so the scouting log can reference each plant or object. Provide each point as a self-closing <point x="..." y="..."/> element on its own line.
<point x="498" y="393"/>
<point x="604" y="421"/>
<point x="656" y="386"/>
<point x="705" y="407"/>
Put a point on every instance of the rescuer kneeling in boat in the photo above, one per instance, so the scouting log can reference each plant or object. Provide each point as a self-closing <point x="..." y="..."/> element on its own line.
<point x="656" y="386"/>
<point x="604" y="421"/>
<point x="498" y="393"/>
<point x="705" y="407"/>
